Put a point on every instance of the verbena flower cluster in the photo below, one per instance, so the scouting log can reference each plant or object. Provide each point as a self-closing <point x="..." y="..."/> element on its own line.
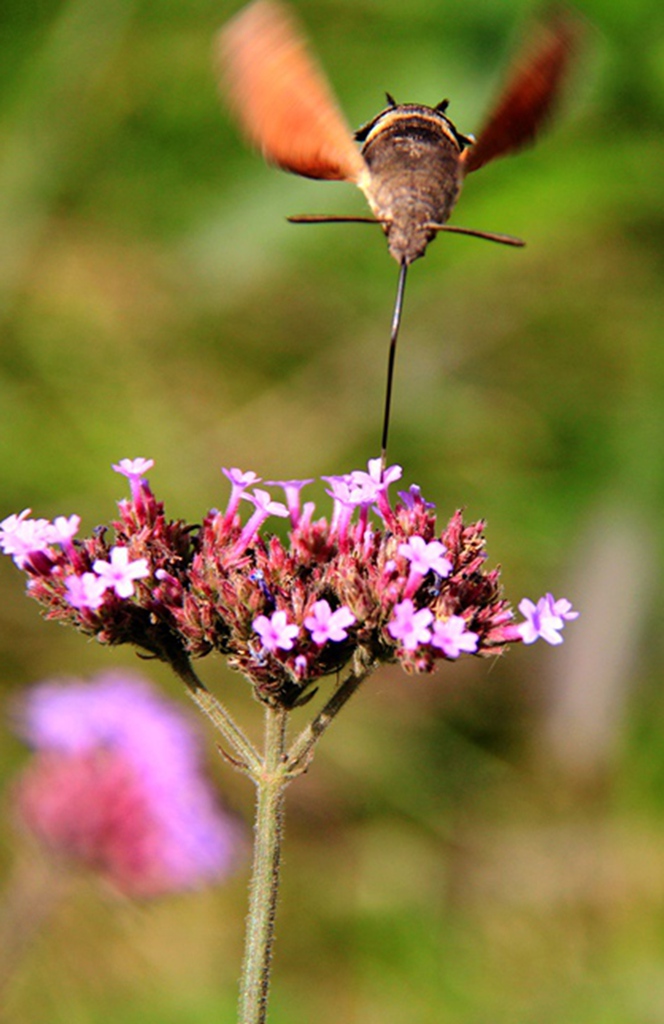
<point x="377" y="580"/>
<point x="116" y="784"/>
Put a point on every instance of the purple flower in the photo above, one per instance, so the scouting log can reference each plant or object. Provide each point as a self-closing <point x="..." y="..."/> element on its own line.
<point x="63" y="529"/>
<point x="409" y="626"/>
<point x="133" y="468"/>
<point x="359" y="489"/>
<point x="292" y="490"/>
<point x="452" y="637"/>
<point x="213" y="579"/>
<point x="240" y="478"/>
<point x="545" y="619"/>
<point x="264" y="506"/>
<point x="120" y="573"/>
<point x="372" y="486"/>
<point x="62" y="532"/>
<point x="343" y="507"/>
<point x="384" y="477"/>
<point x="86" y="591"/>
<point x="362" y="488"/>
<point x="351" y="491"/>
<point x="116" y="784"/>
<point x="426" y="557"/>
<point x="21" y="537"/>
<point x="325" y="624"/>
<point x="9" y="526"/>
<point x="413" y="497"/>
<point x="300" y="666"/>
<point x="563" y="608"/>
<point x="239" y="481"/>
<point x="276" y="631"/>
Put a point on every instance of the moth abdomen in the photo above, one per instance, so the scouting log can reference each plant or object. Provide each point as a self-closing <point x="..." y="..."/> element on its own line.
<point x="413" y="157"/>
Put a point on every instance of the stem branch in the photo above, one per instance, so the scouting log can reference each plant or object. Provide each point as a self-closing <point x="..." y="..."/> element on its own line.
<point x="219" y="715"/>
<point x="271" y="773"/>
<point x="301" y="751"/>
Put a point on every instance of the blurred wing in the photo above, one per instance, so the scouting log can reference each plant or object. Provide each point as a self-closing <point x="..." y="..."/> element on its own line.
<point x="530" y="94"/>
<point x="281" y="97"/>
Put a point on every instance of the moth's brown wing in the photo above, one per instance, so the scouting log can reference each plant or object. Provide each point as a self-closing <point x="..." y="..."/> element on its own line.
<point x="281" y="97"/>
<point x="530" y="94"/>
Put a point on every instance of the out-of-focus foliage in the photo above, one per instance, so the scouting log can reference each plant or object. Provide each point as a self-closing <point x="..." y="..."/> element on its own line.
<point x="481" y="846"/>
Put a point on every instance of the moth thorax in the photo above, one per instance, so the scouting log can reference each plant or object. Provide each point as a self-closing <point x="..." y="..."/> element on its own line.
<point x="414" y="181"/>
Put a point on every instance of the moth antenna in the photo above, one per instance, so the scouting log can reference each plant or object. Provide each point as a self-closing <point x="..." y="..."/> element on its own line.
<point x="323" y="218"/>
<point x="489" y="236"/>
<point x="396" y="321"/>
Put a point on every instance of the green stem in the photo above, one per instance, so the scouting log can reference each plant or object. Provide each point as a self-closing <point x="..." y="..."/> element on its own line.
<point x="219" y="715"/>
<point x="271" y="774"/>
<point x="270" y="782"/>
<point x="301" y="752"/>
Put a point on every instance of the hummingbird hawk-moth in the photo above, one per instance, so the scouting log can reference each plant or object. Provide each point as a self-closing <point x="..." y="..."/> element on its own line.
<point x="412" y="160"/>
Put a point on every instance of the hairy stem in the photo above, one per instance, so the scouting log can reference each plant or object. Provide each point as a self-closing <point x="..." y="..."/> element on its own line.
<point x="271" y="782"/>
<point x="301" y="752"/>
<point x="219" y="715"/>
<point x="271" y="773"/>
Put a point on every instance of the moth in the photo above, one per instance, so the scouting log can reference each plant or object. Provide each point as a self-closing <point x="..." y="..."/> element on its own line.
<point x="410" y="160"/>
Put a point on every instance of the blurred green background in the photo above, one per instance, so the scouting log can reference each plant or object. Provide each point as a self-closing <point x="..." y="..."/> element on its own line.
<point x="485" y="846"/>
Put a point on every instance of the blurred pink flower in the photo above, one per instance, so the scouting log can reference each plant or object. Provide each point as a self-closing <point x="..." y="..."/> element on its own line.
<point x="116" y="784"/>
